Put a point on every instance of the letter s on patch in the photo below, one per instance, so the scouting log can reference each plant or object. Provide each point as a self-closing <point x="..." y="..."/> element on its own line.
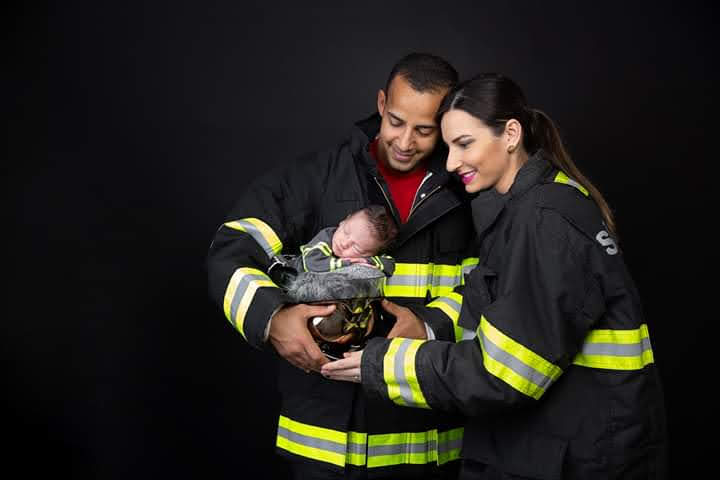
<point x="606" y="241"/>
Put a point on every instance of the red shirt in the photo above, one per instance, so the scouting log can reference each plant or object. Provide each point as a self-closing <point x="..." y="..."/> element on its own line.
<point x="403" y="186"/>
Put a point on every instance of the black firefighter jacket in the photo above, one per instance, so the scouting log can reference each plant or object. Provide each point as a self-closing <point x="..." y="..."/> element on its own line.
<point x="325" y="421"/>
<point x="560" y="379"/>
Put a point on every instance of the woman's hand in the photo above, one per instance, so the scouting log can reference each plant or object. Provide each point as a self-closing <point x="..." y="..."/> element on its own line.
<point x="347" y="369"/>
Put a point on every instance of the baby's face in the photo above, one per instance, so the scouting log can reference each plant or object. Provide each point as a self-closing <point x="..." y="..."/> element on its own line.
<point x="355" y="237"/>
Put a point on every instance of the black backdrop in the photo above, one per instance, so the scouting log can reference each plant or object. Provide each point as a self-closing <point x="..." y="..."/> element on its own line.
<point x="158" y="115"/>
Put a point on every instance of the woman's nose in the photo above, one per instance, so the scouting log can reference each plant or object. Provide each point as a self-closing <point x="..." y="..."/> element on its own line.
<point x="452" y="163"/>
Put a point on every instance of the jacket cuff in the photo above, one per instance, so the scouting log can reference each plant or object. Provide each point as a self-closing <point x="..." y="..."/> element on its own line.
<point x="441" y="325"/>
<point x="371" y="368"/>
<point x="265" y="304"/>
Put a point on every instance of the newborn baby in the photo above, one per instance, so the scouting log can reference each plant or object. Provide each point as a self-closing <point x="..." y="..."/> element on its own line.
<point x="359" y="238"/>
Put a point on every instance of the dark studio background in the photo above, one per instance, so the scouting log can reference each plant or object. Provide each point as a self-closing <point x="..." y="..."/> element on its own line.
<point x="117" y="365"/>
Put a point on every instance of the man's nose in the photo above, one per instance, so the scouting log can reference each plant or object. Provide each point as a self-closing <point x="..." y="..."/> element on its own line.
<point x="405" y="139"/>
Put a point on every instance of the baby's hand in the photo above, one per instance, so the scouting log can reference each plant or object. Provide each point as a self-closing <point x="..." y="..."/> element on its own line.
<point x="360" y="260"/>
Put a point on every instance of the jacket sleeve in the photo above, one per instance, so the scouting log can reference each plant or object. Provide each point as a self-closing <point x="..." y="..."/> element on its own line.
<point x="544" y="301"/>
<point x="317" y="255"/>
<point x="384" y="263"/>
<point x="269" y="218"/>
<point x="442" y="313"/>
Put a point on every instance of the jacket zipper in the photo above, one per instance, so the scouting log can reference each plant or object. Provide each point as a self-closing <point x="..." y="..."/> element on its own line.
<point x="389" y="203"/>
<point x="424" y="196"/>
<point x="423" y="199"/>
<point x="427" y="175"/>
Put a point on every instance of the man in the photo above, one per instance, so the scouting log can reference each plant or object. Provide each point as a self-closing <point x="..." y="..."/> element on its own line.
<point x="329" y="429"/>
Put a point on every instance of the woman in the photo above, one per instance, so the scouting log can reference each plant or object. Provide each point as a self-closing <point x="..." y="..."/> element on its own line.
<point x="560" y="380"/>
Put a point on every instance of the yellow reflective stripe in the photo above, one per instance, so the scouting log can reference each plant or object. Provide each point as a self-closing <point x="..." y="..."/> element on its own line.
<point x="416" y="279"/>
<point x="357" y="448"/>
<point x="400" y="375"/>
<point x="451" y="305"/>
<point x="360" y="449"/>
<point x="409" y="280"/>
<point x="444" y="279"/>
<point x="415" y="448"/>
<point x="616" y="349"/>
<point x="511" y="362"/>
<point x="240" y="293"/>
<point x="260" y="232"/>
<point x="449" y="445"/>
<point x="561" y="177"/>
<point x="467" y="266"/>
<point x="313" y="442"/>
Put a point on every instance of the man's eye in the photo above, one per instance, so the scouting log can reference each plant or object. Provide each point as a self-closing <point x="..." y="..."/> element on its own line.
<point x="425" y="131"/>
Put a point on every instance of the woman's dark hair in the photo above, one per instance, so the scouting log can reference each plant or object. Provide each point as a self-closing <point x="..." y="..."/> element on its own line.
<point x="382" y="224"/>
<point x="494" y="99"/>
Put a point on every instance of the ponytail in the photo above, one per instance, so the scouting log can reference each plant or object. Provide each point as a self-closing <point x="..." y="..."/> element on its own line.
<point x="544" y="134"/>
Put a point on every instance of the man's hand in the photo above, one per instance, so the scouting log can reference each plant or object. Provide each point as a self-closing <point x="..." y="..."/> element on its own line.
<point x="407" y="324"/>
<point x="291" y="338"/>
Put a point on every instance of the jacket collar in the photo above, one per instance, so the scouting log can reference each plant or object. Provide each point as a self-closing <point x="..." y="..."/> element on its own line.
<point x="535" y="169"/>
<point x="488" y="204"/>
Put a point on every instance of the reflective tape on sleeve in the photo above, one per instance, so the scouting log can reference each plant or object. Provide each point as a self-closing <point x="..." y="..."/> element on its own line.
<point x="516" y="365"/>
<point x="400" y="375"/>
<point x="451" y="304"/>
<point x="260" y="232"/>
<point x="616" y="349"/>
<point x="240" y="293"/>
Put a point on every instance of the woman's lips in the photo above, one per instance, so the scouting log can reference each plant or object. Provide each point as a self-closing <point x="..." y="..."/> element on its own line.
<point x="467" y="177"/>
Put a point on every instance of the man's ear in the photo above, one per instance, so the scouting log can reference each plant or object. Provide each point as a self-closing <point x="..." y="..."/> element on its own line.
<point x="381" y="99"/>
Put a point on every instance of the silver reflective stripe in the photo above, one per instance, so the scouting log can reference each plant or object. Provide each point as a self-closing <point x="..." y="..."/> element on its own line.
<point x="402" y="383"/>
<point x="449" y="445"/>
<point x="408" y="280"/>
<point x="575" y="184"/>
<point x="617" y="349"/>
<point x="240" y="292"/>
<point x="257" y="235"/>
<point x="442" y="281"/>
<point x="467" y="334"/>
<point x="450" y="303"/>
<point x="468" y="268"/>
<point x="356" y="448"/>
<point x="513" y="363"/>
<point x="408" y="448"/>
<point x="311" y="441"/>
